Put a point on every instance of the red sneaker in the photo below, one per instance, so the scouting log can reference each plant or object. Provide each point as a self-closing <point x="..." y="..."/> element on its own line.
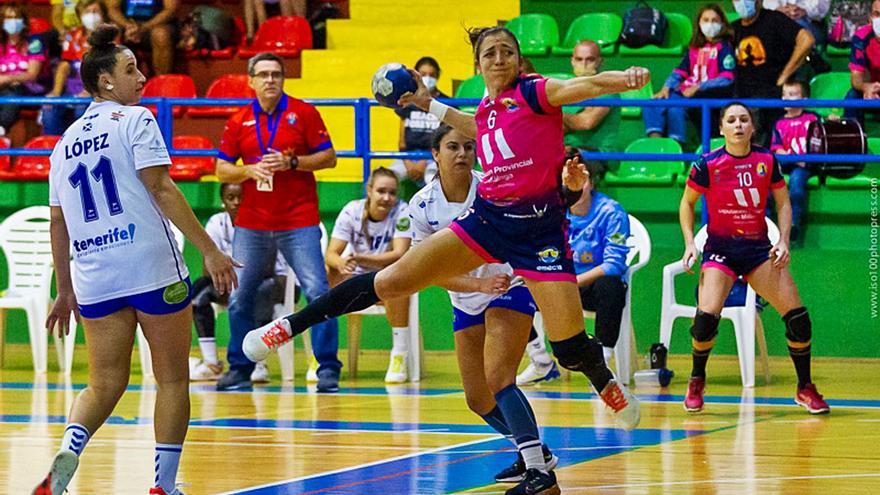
<point x="811" y="400"/>
<point x="693" y="400"/>
<point x="624" y="405"/>
<point x="157" y="490"/>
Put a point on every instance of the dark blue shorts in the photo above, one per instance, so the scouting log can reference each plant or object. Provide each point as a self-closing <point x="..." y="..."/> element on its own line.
<point x="517" y="299"/>
<point x="535" y="245"/>
<point x="735" y="257"/>
<point x="155" y="302"/>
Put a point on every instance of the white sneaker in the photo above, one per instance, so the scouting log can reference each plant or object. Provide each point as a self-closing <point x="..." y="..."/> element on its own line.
<point x="63" y="467"/>
<point x="258" y="343"/>
<point x="206" y="372"/>
<point x="623" y="404"/>
<point x="312" y="373"/>
<point x="396" y="368"/>
<point x="260" y="373"/>
<point x="536" y="373"/>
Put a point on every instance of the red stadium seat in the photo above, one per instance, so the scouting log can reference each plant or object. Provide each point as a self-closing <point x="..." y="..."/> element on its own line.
<point x="191" y="167"/>
<point x="38" y="25"/>
<point x="225" y="86"/>
<point x="34" y="167"/>
<point x="5" y="160"/>
<point x="285" y="36"/>
<point x="172" y="86"/>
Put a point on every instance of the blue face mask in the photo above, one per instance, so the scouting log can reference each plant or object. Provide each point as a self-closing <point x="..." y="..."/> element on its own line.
<point x="13" y="26"/>
<point x="745" y="8"/>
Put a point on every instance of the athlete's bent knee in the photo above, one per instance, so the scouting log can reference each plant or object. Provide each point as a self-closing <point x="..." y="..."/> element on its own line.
<point x="705" y="326"/>
<point x="579" y="353"/>
<point x="798" y="327"/>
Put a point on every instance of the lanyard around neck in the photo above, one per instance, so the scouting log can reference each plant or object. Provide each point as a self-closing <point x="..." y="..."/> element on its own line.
<point x="272" y="120"/>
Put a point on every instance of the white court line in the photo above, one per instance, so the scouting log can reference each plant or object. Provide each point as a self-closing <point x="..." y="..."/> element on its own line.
<point x="329" y="431"/>
<point x="359" y="466"/>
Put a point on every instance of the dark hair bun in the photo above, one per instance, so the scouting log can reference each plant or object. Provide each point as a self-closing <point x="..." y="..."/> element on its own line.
<point x="104" y="37"/>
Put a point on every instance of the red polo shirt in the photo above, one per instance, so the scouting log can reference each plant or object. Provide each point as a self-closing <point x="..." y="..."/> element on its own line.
<point x="294" y="125"/>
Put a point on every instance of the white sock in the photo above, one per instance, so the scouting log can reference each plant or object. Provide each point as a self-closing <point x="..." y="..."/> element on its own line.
<point x="533" y="455"/>
<point x="76" y="436"/>
<point x="167" y="461"/>
<point x="208" y="346"/>
<point x="607" y="352"/>
<point x="538" y="352"/>
<point x="400" y="340"/>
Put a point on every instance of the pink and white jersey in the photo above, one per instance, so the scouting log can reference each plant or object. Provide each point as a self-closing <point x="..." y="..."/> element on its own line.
<point x="790" y="133"/>
<point x="706" y="63"/>
<point x="736" y="190"/>
<point x="519" y="145"/>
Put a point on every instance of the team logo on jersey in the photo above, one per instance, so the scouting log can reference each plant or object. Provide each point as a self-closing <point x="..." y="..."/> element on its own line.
<point x="87" y="127"/>
<point x="403" y="224"/>
<point x="175" y="293"/>
<point x="586" y="257"/>
<point x="291" y="118"/>
<point x="548" y="255"/>
<point x="618" y="238"/>
<point x="510" y="103"/>
<point x="762" y="169"/>
<point x="728" y="63"/>
<point x="115" y="116"/>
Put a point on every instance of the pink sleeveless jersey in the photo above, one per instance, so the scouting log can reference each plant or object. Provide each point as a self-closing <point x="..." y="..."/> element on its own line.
<point x="519" y="145"/>
<point x="790" y="133"/>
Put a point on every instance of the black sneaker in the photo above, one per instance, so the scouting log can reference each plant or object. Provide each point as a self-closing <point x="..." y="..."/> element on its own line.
<point x="536" y="482"/>
<point x="328" y="381"/>
<point x="234" y="379"/>
<point x="517" y="471"/>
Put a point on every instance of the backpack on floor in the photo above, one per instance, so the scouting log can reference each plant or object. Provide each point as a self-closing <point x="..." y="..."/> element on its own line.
<point x="643" y="25"/>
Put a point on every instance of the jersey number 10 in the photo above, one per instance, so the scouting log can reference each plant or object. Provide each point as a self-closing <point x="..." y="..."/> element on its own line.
<point x="745" y="181"/>
<point x="103" y="173"/>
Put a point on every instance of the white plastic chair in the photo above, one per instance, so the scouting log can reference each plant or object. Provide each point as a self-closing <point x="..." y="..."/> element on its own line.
<point x="746" y="320"/>
<point x="24" y="238"/>
<point x="625" y="353"/>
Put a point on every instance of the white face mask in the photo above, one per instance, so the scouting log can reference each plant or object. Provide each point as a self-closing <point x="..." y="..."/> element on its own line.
<point x="875" y="23"/>
<point x="710" y="29"/>
<point x="13" y="26"/>
<point x="745" y="8"/>
<point x="430" y="82"/>
<point x="90" y="20"/>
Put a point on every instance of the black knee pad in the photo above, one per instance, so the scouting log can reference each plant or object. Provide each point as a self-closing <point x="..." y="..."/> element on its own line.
<point x="798" y="327"/>
<point x="579" y="353"/>
<point x="705" y="326"/>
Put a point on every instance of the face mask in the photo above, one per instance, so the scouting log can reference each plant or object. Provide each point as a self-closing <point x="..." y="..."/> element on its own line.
<point x="710" y="29"/>
<point x="745" y="8"/>
<point x="91" y="20"/>
<point x="13" y="26"/>
<point x="585" y="70"/>
<point x="430" y="82"/>
<point x="875" y="23"/>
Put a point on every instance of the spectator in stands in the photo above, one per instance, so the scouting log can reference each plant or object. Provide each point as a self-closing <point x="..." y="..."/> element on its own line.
<point x="148" y="24"/>
<point x="810" y="14"/>
<point x="769" y="49"/>
<point x="790" y="138"/>
<point x="864" y="64"/>
<point x="706" y="71"/>
<point x="269" y="293"/>
<point x="416" y="129"/>
<point x="21" y="61"/>
<point x="593" y="128"/>
<point x="255" y="12"/>
<point x="281" y="141"/>
<point x="56" y="118"/>
<point x="64" y="16"/>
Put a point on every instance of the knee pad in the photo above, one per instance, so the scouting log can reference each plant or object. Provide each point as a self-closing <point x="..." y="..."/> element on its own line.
<point x="798" y="327"/>
<point x="705" y="326"/>
<point x="579" y="353"/>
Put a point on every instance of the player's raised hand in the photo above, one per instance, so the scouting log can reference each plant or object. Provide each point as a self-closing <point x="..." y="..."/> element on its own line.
<point x="637" y="77"/>
<point x="64" y="305"/>
<point x="574" y="174"/>
<point x="689" y="258"/>
<point x="421" y="98"/>
<point x="221" y="267"/>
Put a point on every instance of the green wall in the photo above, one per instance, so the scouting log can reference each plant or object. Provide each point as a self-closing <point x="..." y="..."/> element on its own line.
<point x="832" y="270"/>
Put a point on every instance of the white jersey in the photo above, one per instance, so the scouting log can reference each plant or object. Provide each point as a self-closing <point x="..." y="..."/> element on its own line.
<point x="221" y="230"/>
<point x="122" y="243"/>
<point x="349" y="227"/>
<point x="430" y="212"/>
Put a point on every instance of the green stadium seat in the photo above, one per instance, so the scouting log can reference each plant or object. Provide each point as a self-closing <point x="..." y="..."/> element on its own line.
<point x="833" y="51"/>
<point x="647" y="173"/>
<point x="677" y="37"/>
<point x="714" y="143"/>
<point x="603" y="28"/>
<point x="863" y="180"/>
<point x="636" y="94"/>
<point x="830" y="86"/>
<point x="732" y="16"/>
<point x="473" y="87"/>
<point x="536" y="33"/>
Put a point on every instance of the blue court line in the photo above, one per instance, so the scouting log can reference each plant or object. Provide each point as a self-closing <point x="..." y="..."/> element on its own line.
<point x="468" y="466"/>
<point x="430" y="392"/>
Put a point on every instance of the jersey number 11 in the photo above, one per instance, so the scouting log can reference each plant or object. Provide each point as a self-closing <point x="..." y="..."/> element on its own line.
<point x="103" y="173"/>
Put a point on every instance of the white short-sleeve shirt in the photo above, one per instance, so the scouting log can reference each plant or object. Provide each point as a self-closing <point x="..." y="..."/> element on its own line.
<point x="378" y="237"/>
<point x="122" y="243"/>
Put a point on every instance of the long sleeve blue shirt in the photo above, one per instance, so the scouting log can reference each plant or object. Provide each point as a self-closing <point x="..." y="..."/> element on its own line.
<point x="599" y="238"/>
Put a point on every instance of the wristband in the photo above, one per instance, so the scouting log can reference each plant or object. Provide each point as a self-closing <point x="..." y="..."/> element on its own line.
<point x="438" y="109"/>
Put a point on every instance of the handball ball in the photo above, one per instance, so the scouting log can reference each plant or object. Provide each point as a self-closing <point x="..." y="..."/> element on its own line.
<point x="391" y="82"/>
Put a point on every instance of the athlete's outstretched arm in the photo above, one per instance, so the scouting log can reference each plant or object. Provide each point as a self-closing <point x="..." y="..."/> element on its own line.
<point x="582" y="88"/>
<point x="686" y="218"/>
<point x="462" y="122"/>
<point x="174" y="206"/>
<point x="780" y="253"/>
<point x="65" y="301"/>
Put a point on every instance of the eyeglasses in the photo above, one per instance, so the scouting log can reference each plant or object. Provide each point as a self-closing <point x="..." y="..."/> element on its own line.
<point x="269" y="75"/>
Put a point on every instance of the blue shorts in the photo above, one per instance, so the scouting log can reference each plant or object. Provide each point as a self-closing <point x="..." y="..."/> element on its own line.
<point x="535" y="245"/>
<point x="735" y="257"/>
<point x="517" y="299"/>
<point x="155" y="302"/>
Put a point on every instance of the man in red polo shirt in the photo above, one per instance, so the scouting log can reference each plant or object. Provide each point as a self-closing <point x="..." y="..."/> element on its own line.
<point x="281" y="141"/>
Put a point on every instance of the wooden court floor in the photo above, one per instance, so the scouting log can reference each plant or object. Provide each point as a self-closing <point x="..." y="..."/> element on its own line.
<point x="369" y="439"/>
